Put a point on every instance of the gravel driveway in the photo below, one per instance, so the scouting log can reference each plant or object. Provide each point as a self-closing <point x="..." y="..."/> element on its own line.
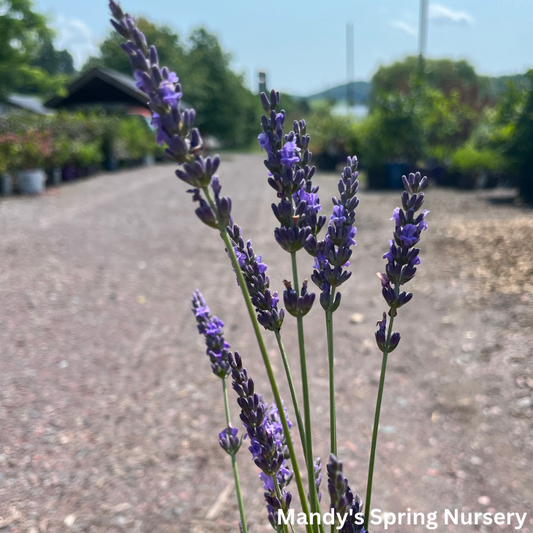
<point x="109" y="412"/>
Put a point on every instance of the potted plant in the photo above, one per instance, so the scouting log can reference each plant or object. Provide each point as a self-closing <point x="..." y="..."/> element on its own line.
<point x="88" y="156"/>
<point x="60" y="152"/>
<point x="138" y="140"/>
<point x="35" y="148"/>
<point x="7" y="144"/>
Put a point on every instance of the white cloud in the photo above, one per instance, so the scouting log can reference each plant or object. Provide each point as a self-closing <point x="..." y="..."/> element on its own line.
<point x="75" y="36"/>
<point x="443" y="14"/>
<point x="405" y="27"/>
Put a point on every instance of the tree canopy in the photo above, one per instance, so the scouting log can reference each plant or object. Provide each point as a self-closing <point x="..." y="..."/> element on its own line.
<point x="169" y="48"/>
<point x="28" y="60"/>
<point x="225" y="108"/>
<point x="445" y="75"/>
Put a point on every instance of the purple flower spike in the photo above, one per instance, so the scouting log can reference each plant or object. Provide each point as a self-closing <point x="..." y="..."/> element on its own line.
<point x="333" y="253"/>
<point x="174" y="125"/>
<point x="258" y="283"/>
<point x="266" y="439"/>
<point x="211" y="328"/>
<point x="288" y="162"/>
<point x="402" y="256"/>
<point x="343" y="501"/>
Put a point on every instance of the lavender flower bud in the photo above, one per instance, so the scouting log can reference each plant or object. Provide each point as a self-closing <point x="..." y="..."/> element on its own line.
<point x="140" y="41"/>
<point x="297" y="305"/>
<point x="274" y="503"/>
<point x="394" y="341"/>
<point x="115" y="9"/>
<point x="291" y="239"/>
<point x="283" y="212"/>
<point x="204" y="212"/>
<point x="265" y="102"/>
<point x="229" y="441"/>
<point x="120" y="29"/>
<point x="381" y="336"/>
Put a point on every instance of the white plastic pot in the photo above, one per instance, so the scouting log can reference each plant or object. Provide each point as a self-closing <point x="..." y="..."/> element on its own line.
<point x="31" y="181"/>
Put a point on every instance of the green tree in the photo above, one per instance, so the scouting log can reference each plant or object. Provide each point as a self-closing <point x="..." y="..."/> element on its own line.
<point x="393" y="132"/>
<point x="171" y="51"/>
<point x="225" y="108"/>
<point x="445" y="75"/>
<point x="54" y="61"/>
<point x="22" y="35"/>
<point x="519" y="149"/>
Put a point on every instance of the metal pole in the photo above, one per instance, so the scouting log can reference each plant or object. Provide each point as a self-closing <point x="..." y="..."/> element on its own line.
<point x="422" y="35"/>
<point x="349" y="64"/>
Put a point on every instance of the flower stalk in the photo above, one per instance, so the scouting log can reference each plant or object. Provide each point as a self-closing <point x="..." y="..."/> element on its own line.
<point x="331" y="366"/>
<point x="375" y="429"/>
<point x="402" y="260"/>
<point x="288" y="374"/>
<point x="238" y="490"/>
<point x="266" y="360"/>
<point x="306" y="400"/>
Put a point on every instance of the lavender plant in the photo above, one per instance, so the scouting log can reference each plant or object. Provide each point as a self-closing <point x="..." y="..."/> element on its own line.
<point x="298" y="212"/>
<point x="402" y="260"/>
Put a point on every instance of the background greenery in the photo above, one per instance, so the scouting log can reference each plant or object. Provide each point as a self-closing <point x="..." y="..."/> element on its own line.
<point x="437" y="115"/>
<point x="29" y="141"/>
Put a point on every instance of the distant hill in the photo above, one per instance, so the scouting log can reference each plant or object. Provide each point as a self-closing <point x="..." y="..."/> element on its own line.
<point x="361" y="89"/>
<point x="360" y="93"/>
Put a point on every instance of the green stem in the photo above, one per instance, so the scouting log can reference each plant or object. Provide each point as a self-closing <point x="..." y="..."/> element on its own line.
<point x="331" y="363"/>
<point x="266" y="361"/>
<point x="226" y="402"/>
<point x="239" y="494"/>
<point x="296" y="407"/>
<point x="234" y="461"/>
<point x="305" y="390"/>
<point x="376" y="423"/>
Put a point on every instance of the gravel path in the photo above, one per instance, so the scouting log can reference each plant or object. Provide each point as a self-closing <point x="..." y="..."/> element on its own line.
<point x="109" y="412"/>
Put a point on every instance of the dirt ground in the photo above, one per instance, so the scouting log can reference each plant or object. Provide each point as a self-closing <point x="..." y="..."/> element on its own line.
<point x="109" y="413"/>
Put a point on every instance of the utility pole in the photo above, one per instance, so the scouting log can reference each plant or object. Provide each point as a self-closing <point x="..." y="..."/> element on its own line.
<point x="349" y="65"/>
<point x="262" y="78"/>
<point x="422" y="34"/>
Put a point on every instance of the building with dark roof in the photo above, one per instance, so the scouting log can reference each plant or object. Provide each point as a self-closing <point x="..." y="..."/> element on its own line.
<point x="104" y="88"/>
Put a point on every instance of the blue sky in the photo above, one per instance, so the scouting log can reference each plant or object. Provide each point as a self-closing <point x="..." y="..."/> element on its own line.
<point x="301" y="45"/>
